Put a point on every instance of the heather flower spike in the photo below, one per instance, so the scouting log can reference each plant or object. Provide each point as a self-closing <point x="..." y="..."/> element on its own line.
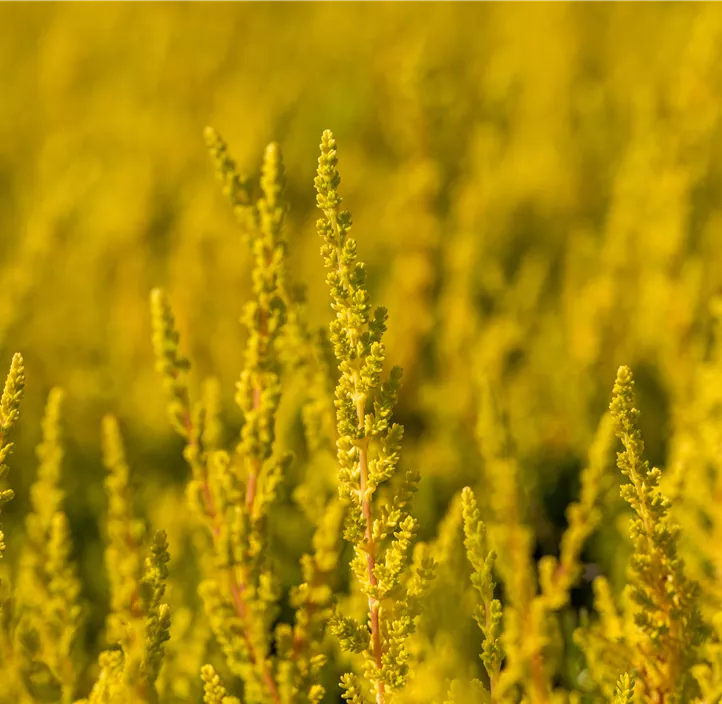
<point x="660" y="631"/>
<point x="489" y="613"/>
<point x="625" y="690"/>
<point x="232" y="493"/>
<point x="49" y="594"/>
<point x="369" y="446"/>
<point x="9" y="414"/>
<point x="138" y="625"/>
<point x="213" y="690"/>
<point x="668" y="615"/>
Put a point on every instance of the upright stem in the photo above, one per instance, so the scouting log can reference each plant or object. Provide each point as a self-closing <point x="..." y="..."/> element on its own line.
<point x="493" y="677"/>
<point x="374" y="605"/>
<point x="539" y="679"/>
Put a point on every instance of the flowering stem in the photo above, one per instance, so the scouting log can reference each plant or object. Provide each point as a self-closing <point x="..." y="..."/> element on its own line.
<point x="539" y="678"/>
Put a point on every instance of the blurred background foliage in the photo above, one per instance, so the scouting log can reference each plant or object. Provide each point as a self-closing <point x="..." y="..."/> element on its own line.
<point x="535" y="190"/>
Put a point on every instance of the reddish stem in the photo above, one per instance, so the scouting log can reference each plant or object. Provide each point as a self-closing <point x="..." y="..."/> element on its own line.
<point x="236" y="588"/>
<point x="539" y="678"/>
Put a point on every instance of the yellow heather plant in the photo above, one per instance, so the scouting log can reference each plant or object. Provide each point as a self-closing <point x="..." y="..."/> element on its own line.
<point x="48" y="595"/>
<point x="299" y="572"/>
<point x="369" y="446"/>
<point x="9" y="414"/>
<point x="12" y="394"/>
<point x="624" y="693"/>
<point x="233" y="490"/>
<point x="138" y="622"/>
<point x="522" y="635"/>
<point x="664" y="628"/>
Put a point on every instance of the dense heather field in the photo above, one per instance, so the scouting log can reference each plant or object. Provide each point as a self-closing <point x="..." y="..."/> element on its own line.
<point x="214" y="481"/>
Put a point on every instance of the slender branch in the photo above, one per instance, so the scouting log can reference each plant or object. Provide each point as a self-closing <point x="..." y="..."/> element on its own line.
<point x="374" y="605"/>
<point x="493" y="677"/>
<point x="256" y="463"/>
